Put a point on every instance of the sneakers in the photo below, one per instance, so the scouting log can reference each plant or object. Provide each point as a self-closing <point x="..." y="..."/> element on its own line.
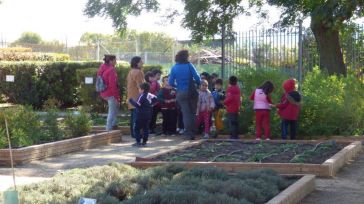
<point x="206" y="136"/>
<point x="181" y="131"/>
<point x="267" y="139"/>
<point x="137" y="144"/>
<point x="257" y="139"/>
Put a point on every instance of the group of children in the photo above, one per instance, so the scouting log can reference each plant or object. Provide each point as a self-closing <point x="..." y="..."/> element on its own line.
<point x="210" y="108"/>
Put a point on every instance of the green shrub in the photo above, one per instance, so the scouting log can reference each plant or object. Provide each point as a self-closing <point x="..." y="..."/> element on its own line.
<point x="77" y="124"/>
<point x="51" y="129"/>
<point x="118" y="183"/>
<point x="24" y="127"/>
<point x="332" y="105"/>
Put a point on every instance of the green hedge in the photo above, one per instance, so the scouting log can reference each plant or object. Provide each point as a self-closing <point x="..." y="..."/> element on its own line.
<point x="32" y="56"/>
<point x="37" y="82"/>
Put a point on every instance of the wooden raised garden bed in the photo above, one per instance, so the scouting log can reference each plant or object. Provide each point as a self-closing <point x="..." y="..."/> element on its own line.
<point x="321" y="158"/>
<point x="41" y="151"/>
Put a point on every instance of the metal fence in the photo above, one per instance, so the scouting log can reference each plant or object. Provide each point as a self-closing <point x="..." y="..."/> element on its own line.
<point x="291" y="50"/>
<point x="280" y="49"/>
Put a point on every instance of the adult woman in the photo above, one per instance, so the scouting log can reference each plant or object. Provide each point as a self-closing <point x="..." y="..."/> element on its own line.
<point x="180" y="77"/>
<point x="111" y="94"/>
<point x="134" y="79"/>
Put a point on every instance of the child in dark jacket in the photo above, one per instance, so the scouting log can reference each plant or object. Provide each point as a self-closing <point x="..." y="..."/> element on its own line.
<point x="144" y="107"/>
<point x="219" y="96"/>
<point x="262" y="106"/>
<point x="167" y="99"/>
<point x="232" y="104"/>
<point x="288" y="108"/>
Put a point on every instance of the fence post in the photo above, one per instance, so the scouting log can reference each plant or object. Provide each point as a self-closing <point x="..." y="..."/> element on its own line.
<point x="300" y="49"/>
<point x="222" y="50"/>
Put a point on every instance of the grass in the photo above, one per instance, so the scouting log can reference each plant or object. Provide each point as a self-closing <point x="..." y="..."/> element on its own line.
<point x="118" y="183"/>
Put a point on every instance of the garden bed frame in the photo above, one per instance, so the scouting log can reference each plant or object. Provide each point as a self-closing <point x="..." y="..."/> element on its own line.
<point x="41" y="151"/>
<point x="327" y="169"/>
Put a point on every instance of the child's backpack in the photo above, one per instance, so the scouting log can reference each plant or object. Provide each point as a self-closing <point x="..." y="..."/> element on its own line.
<point x="100" y="85"/>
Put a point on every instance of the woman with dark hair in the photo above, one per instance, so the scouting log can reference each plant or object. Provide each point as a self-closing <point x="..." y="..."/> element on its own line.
<point x="134" y="79"/>
<point x="181" y="76"/>
<point x="111" y="93"/>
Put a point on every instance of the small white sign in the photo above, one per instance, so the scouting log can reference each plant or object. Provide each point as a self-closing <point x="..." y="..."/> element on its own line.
<point x="89" y="80"/>
<point x="10" y="78"/>
<point x="87" y="201"/>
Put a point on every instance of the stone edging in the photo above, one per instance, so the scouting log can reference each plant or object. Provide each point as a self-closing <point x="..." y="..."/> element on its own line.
<point x="327" y="169"/>
<point x="41" y="151"/>
<point x="295" y="192"/>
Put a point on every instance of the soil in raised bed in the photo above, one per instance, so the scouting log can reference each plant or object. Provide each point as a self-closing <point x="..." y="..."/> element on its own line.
<point x="265" y="152"/>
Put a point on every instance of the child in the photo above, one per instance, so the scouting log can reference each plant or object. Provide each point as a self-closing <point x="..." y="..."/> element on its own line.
<point x="154" y="89"/>
<point x="205" y="106"/>
<point x="144" y="113"/>
<point x="232" y="103"/>
<point x="219" y="96"/>
<point x="262" y="106"/>
<point x="289" y="108"/>
<point x="167" y="99"/>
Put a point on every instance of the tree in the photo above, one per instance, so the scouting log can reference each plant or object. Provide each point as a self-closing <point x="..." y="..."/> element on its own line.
<point x="28" y="38"/>
<point x="119" y="10"/>
<point x="327" y="17"/>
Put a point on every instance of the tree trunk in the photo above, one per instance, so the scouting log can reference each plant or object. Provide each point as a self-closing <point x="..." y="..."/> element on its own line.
<point x="328" y="45"/>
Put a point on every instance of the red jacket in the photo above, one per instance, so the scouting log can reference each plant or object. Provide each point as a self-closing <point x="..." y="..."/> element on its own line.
<point x="167" y="94"/>
<point x="110" y="77"/>
<point x="232" y="100"/>
<point x="288" y="109"/>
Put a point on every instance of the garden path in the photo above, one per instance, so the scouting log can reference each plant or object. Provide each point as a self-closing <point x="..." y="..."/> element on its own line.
<point x="346" y="188"/>
<point x="117" y="152"/>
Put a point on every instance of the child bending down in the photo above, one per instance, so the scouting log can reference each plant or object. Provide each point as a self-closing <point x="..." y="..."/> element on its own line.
<point x="262" y="105"/>
<point x="205" y="106"/>
<point x="144" y="107"/>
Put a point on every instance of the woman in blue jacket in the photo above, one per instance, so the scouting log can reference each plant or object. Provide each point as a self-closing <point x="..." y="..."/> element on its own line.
<point x="180" y="76"/>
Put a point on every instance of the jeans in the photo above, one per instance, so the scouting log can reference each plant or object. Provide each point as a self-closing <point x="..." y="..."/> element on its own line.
<point x="293" y="127"/>
<point x="133" y="117"/>
<point x="189" y="108"/>
<point x="234" y="125"/>
<point x="141" y="124"/>
<point x="112" y="112"/>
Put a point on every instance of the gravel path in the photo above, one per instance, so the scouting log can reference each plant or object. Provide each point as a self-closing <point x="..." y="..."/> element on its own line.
<point x="346" y="188"/>
<point x="118" y="152"/>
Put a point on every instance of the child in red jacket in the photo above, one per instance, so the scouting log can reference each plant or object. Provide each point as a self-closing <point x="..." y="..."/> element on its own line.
<point x="262" y="106"/>
<point x="232" y="103"/>
<point x="167" y="99"/>
<point x="289" y="108"/>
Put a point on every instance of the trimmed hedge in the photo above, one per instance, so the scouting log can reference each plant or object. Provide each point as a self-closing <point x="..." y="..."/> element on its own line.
<point x="32" y="56"/>
<point x="37" y="82"/>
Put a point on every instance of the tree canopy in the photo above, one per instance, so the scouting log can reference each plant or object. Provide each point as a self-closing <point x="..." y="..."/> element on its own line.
<point x="119" y="10"/>
<point x="28" y="38"/>
<point x="327" y="17"/>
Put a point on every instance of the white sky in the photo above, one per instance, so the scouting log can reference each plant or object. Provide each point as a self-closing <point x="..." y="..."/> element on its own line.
<point x="64" y="19"/>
